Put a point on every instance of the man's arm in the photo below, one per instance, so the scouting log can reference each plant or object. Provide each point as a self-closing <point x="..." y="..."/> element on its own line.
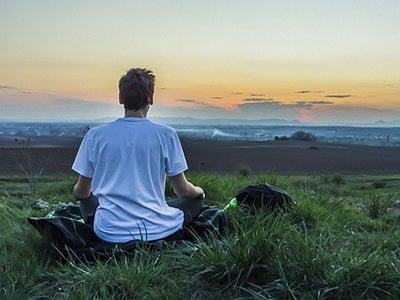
<point x="83" y="187"/>
<point x="184" y="188"/>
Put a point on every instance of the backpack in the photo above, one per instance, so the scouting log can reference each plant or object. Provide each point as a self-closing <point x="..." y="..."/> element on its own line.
<point x="264" y="196"/>
<point x="210" y="221"/>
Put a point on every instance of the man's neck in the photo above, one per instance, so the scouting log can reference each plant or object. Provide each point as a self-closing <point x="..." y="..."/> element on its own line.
<point x="141" y="113"/>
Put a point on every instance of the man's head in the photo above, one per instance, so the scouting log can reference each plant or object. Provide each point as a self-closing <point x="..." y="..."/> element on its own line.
<point x="136" y="89"/>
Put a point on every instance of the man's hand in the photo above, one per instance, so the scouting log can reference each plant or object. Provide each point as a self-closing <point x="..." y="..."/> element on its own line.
<point x="184" y="188"/>
<point x="200" y="192"/>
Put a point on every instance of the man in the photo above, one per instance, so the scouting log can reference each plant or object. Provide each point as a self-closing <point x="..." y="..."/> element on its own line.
<point x="124" y="165"/>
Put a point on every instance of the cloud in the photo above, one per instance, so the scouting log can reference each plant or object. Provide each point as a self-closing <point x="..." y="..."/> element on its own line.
<point x="237" y="93"/>
<point x="260" y="100"/>
<point x="338" y="96"/>
<point x="216" y="97"/>
<point x="303" y="92"/>
<point x="191" y="101"/>
<point x="33" y="93"/>
<point x="200" y="103"/>
<point x="300" y="104"/>
<point x="21" y="91"/>
<point x="72" y="102"/>
<point x="307" y="111"/>
<point x="308" y="92"/>
<point x="272" y="109"/>
<point x="273" y="103"/>
<point x="257" y="95"/>
<point x="318" y="102"/>
<point x="6" y="87"/>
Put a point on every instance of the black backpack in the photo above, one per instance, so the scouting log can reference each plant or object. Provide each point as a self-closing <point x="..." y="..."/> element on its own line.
<point x="264" y="196"/>
<point x="210" y="221"/>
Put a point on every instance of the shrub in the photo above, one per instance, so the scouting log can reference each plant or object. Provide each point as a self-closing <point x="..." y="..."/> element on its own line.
<point x="303" y="136"/>
<point x="377" y="205"/>
<point x="244" y="170"/>
<point x="281" y="138"/>
<point x="379" y="184"/>
<point x="338" y="179"/>
<point x="324" y="179"/>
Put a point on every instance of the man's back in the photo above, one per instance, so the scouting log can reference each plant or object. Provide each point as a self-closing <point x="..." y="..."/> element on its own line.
<point x="128" y="160"/>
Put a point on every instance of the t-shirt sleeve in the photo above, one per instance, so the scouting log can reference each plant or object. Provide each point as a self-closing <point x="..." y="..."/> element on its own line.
<point x="82" y="163"/>
<point x="175" y="161"/>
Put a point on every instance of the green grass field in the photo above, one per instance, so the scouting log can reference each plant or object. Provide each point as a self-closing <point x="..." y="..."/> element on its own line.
<point x="341" y="241"/>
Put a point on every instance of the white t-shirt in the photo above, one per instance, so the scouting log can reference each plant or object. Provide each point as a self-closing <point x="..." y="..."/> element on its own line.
<point x="128" y="161"/>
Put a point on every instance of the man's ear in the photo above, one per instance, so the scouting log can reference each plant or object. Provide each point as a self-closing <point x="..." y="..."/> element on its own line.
<point x="151" y="99"/>
<point x="121" y="100"/>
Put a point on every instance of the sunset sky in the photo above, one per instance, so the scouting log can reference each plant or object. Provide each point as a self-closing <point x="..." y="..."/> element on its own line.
<point x="314" y="61"/>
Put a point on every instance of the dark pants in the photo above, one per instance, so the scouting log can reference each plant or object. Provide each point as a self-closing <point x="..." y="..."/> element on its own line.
<point x="191" y="209"/>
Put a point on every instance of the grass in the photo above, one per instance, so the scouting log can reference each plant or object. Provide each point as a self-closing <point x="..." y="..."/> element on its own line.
<point x="341" y="241"/>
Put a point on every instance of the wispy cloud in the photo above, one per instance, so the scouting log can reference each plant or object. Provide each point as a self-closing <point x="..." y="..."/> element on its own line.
<point x="21" y="91"/>
<point x="200" y="103"/>
<point x="254" y="99"/>
<point x="71" y="102"/>
<point x="299" y="104"/>
<point x="191" y="101"/>
<point x="7" y="87"/>
<point x="257" y="95"/>
<point x="237" y="93"/>
<point x="317" y="102"/>
<point x="308" y="92"/>
<point x="320" y="102"/>
<point x="261" y="104"/>
<point x="33" y="93"/>
<point x="338" y="96"/>
<point x="217" y="97"/>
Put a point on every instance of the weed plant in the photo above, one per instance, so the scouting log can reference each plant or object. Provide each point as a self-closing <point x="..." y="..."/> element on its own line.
<point x="325" y="247"/>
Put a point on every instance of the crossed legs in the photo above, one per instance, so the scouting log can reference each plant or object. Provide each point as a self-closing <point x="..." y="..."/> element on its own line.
<point x="191" y="209"/>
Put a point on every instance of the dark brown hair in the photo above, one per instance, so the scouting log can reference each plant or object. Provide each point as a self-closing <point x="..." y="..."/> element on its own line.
<point x="135" y="87"/>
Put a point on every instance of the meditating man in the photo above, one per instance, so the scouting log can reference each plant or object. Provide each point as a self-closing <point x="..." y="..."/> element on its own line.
<point x="122" y="169"/>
